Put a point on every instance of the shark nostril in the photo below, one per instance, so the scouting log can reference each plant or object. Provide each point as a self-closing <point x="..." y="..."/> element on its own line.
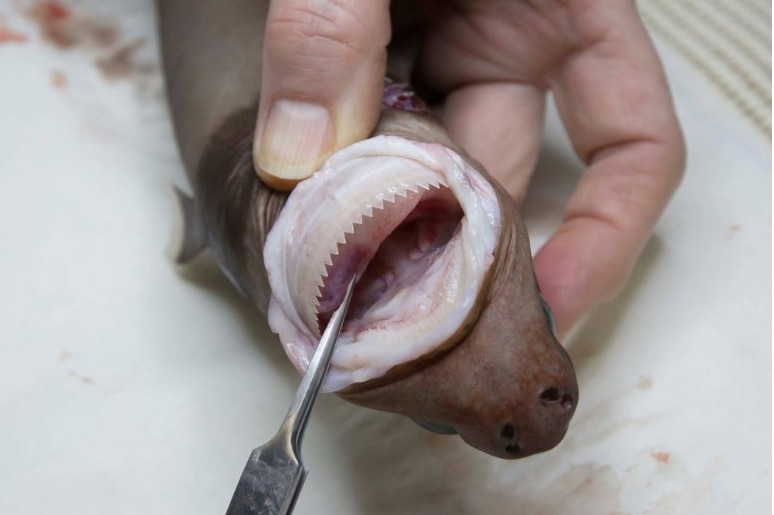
<point x="554" y="395"/>
<point x="550" y="395"/>
<point x="508" y="432"/>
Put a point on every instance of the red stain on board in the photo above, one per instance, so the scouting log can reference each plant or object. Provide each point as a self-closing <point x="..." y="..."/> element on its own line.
<point x="65" y="29"/>
<point x="116" y="58"/>
<point x="733" y="229"/>
<point x="661" y="457"/>
<point x="122" y="63"/>
<point x="8" y="35"/>
<point x="55" y="10"/>
<point x="58" y="79"/>
<point x="85" y="380"/>
<point x="53" y="20"/>
<point x="645" y="383"/>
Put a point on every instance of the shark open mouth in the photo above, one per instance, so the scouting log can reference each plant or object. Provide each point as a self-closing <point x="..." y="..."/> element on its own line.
<point x="414" y="223"/>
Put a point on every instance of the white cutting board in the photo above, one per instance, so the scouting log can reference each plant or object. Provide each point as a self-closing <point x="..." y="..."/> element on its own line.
<point x="128" y="387"/>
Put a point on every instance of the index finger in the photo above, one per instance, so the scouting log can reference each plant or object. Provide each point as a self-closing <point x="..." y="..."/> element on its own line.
<point x="615" y="103"/>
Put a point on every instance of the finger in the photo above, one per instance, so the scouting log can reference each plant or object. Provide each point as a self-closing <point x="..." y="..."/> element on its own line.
<point x="615" y="103"/>
<point x="591" y="256"/>
<point x="500" y="125"/>
<point x="323" y="66"/>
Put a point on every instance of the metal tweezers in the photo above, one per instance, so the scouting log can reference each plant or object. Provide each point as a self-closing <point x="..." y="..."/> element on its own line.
<point x="274" y="474"/>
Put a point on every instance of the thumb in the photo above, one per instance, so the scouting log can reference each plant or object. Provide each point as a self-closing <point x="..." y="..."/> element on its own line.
<point x="323" y="66"/>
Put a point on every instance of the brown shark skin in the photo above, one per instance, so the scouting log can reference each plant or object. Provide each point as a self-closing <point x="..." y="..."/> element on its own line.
<point x="507" y="387"/>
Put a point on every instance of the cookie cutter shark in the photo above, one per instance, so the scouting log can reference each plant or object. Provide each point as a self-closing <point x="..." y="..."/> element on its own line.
<point x="274" y="474"/>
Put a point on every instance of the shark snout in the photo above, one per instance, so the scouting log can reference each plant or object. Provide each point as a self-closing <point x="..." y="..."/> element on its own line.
<point x="535" y="424"/>
<point x="552" y="409"/>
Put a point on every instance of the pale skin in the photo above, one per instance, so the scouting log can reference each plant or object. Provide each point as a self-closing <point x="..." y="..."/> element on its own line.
<point x="494" y="61"/>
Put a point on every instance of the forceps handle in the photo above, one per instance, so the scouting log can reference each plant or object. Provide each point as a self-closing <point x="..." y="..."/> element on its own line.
<point x="306" y="395"/>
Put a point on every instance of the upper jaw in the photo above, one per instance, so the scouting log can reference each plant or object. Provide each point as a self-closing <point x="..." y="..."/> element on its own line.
<point x="359" y="215"/>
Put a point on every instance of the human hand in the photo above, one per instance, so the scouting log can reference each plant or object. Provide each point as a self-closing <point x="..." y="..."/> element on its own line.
<point x="494" y="61"/>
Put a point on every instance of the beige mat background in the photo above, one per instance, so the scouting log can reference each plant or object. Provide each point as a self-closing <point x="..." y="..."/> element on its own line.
<point x="728" y="42"/>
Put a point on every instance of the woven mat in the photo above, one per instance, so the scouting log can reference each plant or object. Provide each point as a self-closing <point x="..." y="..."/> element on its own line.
<point x="727" y="41"/>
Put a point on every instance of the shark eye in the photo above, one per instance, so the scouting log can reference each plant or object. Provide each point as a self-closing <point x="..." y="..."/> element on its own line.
<point x="435" y="427"/>
<point x="548" y="314"/>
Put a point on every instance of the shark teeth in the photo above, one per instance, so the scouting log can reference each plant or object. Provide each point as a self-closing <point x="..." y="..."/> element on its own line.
<point x="370" y="212"/>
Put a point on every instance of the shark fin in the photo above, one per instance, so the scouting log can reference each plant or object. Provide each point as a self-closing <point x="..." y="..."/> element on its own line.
<point x="191" y="237"/>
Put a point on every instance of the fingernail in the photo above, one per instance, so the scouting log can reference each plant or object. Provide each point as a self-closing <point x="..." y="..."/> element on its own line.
<point x="295" y="140"/>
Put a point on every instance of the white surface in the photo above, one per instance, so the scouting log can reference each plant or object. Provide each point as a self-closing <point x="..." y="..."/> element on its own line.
<point x="127" y="387"/>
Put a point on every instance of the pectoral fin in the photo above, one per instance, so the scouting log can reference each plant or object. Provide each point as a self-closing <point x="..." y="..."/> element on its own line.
<point x="191" y="238"/>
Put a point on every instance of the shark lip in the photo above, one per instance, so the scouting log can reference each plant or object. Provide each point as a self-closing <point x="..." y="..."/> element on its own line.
<point x="415" y="224"/>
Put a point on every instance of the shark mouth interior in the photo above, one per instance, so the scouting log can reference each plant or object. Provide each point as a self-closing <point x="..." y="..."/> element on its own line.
<point x="415" y="223"/>
<point x="394" y="265"/>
